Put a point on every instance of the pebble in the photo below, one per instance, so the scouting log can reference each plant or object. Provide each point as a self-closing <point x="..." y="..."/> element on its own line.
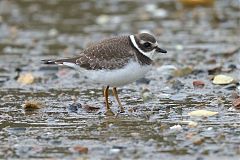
<point x="160" y="13"/>
<point x="90" y="108"/>
<point x="26" y="78"/>
<point x="53" y="32"/>
<point x="198" y="84"/>
<point x="80" y="149"/>
<point x="146" y="95"/>
<point x="202" y="113"/>
<point x="183" y="71"/>
<point x="150" y="7"/>
<point x="92" y="92"/>
<point x="192" y="124"/>
<point x="176" y="127"/>
<point x="222" y="79"/>
<point x="198" y="140"/>
<point x="32" y="105"/>
<point x="114" y="151"/>
<point x="179" y="47"/>
<point x="102" y="19"/>
<point x="236" y="103"/>
<point x="135" y="134"/>
<point x="73" y="108"/>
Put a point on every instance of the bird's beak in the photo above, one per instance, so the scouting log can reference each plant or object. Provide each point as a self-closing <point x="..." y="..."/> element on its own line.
<point x="160" y="50"/>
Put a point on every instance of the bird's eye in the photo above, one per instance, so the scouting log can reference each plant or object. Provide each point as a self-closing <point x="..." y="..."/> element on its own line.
<point x="147" y="44"/>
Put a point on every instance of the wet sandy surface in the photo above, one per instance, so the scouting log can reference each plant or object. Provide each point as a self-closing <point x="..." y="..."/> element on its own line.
<point x="201" y="42"/>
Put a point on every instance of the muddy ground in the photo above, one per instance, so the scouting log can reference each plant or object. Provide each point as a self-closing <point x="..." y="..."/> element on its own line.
<point x="202" y="41"/>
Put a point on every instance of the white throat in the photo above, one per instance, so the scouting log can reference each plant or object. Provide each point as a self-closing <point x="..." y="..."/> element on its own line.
<point x="149" y="54"/>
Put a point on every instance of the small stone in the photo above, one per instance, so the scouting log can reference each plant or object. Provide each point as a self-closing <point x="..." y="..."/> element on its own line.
<point x="210" y="128"/>
<point x="198" y="84"/>
<point x="103" y="19"/>
<point x="92" y="92"/>
<point x="53" y="32"/>
<point x="135" y="134"/>
<point x="198" y="140"/>
<point x="114" y="151"/>
<point x="176" y="127"/>
<point x="179" y="47"/>
<point x="32" y="105"/>
<point x="202" y="113"/>
<point x="183" y="72"/>
<point x="80" y="149"/>
<point x="26" y="78"/>
<point x="150" y="7"/>
<point x="190" y="135"/>
<point x="192" y="124"/>
<point x="236" y="103"/>
<point x="146" y="95"/>
<point x="90" y="108"/>
<point x="232" y="109"/>
<point x="73" y="108"/>
<point x="222" y="79"/>
<point x="7" y="49"/>
<point x="160" y="13"/>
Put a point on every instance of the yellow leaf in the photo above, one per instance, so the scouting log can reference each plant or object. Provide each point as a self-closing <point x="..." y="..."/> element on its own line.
<point x="202" y="113"/>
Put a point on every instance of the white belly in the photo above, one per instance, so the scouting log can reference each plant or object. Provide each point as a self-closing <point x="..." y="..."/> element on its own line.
<point x="118" y="77"/>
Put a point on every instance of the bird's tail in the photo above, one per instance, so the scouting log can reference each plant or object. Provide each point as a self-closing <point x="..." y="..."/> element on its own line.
<point x="49" y="61"/>
<point x="71" y="62"/>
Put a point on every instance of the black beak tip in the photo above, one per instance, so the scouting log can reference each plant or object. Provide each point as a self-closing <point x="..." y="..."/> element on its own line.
<point x="161" y="50"/>
<point x="164" y="51"/>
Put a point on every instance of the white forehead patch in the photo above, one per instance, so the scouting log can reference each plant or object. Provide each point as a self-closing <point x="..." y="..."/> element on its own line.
<point x="149" y="54"/>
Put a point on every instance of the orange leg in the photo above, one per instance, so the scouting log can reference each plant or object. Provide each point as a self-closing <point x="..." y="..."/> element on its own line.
<point x="106" y="97"/>
<point x="108" y="110"/>
<point x="115" y="93"/>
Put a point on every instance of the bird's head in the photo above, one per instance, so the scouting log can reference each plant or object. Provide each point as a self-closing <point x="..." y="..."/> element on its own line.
<point x="146" y="44"/>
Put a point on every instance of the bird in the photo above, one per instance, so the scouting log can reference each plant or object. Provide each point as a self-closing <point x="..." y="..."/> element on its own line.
<point x="115" y="62"/>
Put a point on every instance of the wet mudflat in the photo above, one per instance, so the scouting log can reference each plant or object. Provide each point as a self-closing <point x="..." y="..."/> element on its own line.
<point x="69" y="123"/>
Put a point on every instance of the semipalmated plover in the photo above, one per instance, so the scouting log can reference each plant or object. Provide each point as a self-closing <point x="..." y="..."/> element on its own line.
<point x="115" y="61"/>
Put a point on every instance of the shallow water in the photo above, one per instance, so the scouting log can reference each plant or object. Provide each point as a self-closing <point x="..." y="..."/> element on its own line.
<point x="205" y="39"/>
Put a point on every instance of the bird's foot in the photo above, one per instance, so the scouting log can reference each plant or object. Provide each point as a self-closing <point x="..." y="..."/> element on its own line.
<point x="109" y="112"/>
<point x="122" y="110"/>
